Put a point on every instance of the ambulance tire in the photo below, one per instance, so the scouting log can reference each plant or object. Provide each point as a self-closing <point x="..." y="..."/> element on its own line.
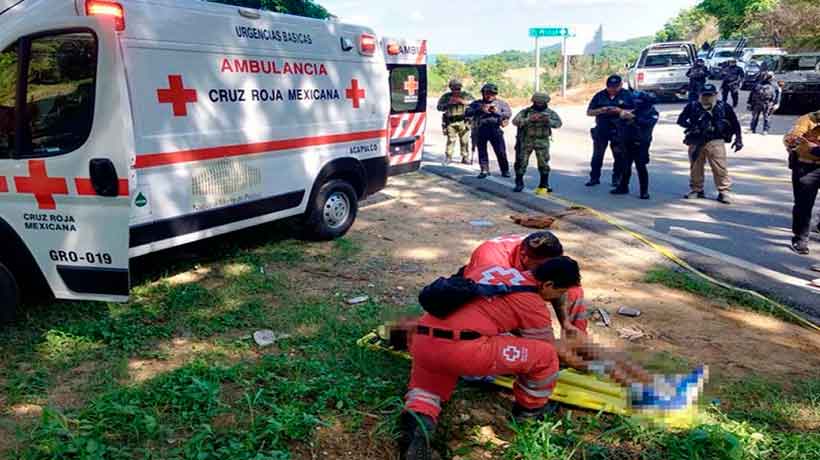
<point x="333" y="211"/>
<point x="9" y="295"/>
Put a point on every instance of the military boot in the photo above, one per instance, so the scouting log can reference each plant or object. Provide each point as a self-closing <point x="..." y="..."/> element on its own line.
<point x="544" y="186"/>
<point x="416" y="434"/>
<point x="519" y="183"/>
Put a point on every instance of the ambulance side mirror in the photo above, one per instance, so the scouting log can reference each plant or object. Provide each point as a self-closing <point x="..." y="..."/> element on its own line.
<point x="104" y="177"/>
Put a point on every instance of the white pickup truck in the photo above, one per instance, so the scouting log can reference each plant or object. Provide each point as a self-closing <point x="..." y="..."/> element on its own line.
<point x="661" y="69"/>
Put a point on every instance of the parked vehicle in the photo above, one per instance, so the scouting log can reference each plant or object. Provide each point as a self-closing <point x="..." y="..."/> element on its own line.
<point x="799" y="77"/>
<point x="720" y="54"/>
<point x="149" y="124"/>
<point x="754" y="59"/>
<point x="661" y="69"/>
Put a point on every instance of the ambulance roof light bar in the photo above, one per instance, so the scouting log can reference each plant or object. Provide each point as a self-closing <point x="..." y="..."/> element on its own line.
<point x="367" y="44"/>
<point x="105" y="8"/>
<point x="393" y="48"/>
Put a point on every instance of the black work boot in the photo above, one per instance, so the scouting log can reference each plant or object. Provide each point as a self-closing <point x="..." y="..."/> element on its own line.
<point x="519" y="183"/>
<point x="416" y="434"/>
<point x="620" y="190"/>
<point x="521" y="414"/>
<point x="505" y="174"/>
<point x="483" y="174"/>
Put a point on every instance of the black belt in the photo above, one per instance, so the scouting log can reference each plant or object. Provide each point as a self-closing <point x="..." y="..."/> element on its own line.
<point x="447" y="333"/>
<point x="455" y="118"/>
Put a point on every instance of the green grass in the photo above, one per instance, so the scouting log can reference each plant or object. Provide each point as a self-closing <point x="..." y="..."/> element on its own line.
<point x="232" y="400"/>
<point x="685" y="281"/>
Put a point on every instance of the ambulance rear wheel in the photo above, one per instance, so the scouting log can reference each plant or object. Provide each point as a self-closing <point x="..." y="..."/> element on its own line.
<point x="333" y="211"/>
<point x="9" y="295"/>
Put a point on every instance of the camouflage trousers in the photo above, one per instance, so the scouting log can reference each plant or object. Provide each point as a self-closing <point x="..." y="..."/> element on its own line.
<point x="522" y="158"/>
<point x="458" y="132"/>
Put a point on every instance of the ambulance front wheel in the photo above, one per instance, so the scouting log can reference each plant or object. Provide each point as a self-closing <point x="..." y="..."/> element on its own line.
<point x="9" y="295"/>
<point x="333" y="211"/>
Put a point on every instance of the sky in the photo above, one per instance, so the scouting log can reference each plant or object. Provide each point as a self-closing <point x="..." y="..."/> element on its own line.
<point x="490" y="26"/>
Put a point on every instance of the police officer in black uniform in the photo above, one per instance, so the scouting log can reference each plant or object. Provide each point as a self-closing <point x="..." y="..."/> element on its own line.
<point x="698" y="74"/>
<point x="636" y="133"/>
<point x="489" y="115"/>
<point x="732" y="76"/>
<point x="608" y="106"/>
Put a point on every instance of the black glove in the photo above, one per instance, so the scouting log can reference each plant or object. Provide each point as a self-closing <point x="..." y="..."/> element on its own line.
<point x="737" y="145"/>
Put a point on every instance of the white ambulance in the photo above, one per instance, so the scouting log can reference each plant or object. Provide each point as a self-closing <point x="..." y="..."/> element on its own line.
<point x="407" y="64"/>
<point x="132" y="126"/>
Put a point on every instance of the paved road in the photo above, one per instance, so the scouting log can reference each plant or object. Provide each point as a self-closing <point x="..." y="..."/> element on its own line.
<point x="755" y="229"/>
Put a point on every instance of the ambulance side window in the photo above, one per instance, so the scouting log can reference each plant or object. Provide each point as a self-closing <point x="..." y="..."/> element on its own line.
<point x="8" y="96"/>
<point x="408" y="88"/>
<point x="61" y="78"/>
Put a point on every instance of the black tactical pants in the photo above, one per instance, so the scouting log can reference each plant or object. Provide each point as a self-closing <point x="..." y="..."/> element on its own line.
<point x="805" y="183"/>
<point x="600" y="142"/>
<point x="637" y="154"/>
<point x="732" y="90"/>
<point x="494" y="136"/>
<point x="757" y="112"/>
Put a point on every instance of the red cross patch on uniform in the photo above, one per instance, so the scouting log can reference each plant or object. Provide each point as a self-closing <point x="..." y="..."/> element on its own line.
<point x="500" y="275"/>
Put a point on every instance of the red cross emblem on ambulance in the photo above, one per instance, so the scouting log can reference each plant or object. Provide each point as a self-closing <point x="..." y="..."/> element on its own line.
<point x="411" y="85"/>
<point x="177" y="95"/>
<point x="39" y="184"/>
<point x="499" y="275"/>
<point x="354" y="93"/>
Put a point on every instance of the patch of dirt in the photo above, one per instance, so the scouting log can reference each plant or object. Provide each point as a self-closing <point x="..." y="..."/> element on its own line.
<point x="426" y="232"/>
<point x="67" y="393"/>
<point x="335" y="441"/>
<point x="176" y="354"/>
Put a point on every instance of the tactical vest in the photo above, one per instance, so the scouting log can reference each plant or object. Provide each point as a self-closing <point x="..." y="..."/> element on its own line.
<point x="537" y="131"/>
<point x="455" y="112"/>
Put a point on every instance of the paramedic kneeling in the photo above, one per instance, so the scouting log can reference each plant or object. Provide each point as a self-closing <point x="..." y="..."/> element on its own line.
<point x="527" y="253"/>
<point x="475" y="340"/>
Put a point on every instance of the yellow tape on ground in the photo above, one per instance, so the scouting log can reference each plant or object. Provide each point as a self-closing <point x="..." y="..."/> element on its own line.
<point x="666" y="252"/>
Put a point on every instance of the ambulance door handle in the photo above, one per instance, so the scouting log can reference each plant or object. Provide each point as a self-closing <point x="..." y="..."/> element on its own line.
<point x="249" y="14"/>
<point x="104" y="177"/>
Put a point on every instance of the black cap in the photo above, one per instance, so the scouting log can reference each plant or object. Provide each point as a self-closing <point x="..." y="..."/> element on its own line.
<point x="614" y="80"/>
<point x="708" y="89"/>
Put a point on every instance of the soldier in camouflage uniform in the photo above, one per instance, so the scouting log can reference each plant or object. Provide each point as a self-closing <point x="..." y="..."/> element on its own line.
<point x="535" y="125"/>
<point x="455" y="125"/>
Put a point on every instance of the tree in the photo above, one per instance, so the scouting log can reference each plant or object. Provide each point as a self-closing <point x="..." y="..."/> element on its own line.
<point x="792" y="23"/>
<point x="307" y="8"/>
<point x="687" y="25"/>
<point x="448" y="68"/>
<point x="734" y="15"/>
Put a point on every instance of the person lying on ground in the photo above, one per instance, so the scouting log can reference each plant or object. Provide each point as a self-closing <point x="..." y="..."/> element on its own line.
<point x="511" y="335"/>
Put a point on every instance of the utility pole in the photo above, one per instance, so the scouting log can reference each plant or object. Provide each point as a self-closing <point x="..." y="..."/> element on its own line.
<point x="537" y="66"/>
<point x="566" y="67"/>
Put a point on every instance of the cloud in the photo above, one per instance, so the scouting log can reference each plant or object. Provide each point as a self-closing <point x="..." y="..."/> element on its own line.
<point x="416" y="16"/>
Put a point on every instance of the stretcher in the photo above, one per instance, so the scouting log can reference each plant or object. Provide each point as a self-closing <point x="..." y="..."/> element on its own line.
<point x="574" y="388"/>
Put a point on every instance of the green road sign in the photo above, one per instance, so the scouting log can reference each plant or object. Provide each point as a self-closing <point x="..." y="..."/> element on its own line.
<point x="549" y="32"/>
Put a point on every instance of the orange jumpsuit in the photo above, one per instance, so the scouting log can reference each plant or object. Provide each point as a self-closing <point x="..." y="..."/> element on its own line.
<point x="506" y="251"/>
<point x="438" y="362"/>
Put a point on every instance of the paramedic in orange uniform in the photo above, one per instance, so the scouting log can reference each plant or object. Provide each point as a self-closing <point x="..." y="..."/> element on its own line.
<point x="472" y="341"/>
<point x="526" y="253"/>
